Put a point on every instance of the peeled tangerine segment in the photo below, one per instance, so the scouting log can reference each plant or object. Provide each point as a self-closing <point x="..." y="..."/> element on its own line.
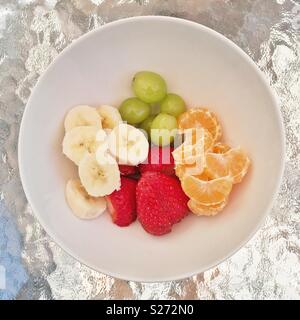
<point x="200" y="209"/>
<point x="234" y="163"/>
<point x="195" y="169"/>
<point x="200" y="118"/>
<point x="238" y="163"/>
<point x="216" y="165"/>
<point x="220" y="147"/>
<point x="82" y="115"/>
<point x="202" y="176"/>
<point x="82" y="205"/>
<point x="192" y="148"/>
<point x="195" y="135"/>
<point x="207" y="192"/>
<point x="187" y="154"/>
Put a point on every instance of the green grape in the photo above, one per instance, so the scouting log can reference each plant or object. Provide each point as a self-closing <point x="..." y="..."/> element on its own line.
<point x="155" y="108"/>
<point x="134" y="110"/>
<point x="173" y="105"/>
<point x="148" y="86"/>
<point x="146" y="125"/>
<point x="163" y="129"/>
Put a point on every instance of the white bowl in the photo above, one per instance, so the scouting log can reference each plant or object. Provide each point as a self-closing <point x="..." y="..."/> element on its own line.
<point x="207" y="70"/>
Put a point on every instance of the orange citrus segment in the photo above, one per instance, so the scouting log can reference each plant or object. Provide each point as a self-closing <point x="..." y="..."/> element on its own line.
<point x="195" y="135"/>
<point x="203" y="176"/>
<point x="207" y="192"/>
<point x="220" y="147"/>
<point x="200" y="209"/>
<point x="200" y="118"/>
<point x="238" y="163"/>
<point x="216" y="165"/>
<point x="188" y="153"/>
<point x="183" y="170"/>
<point x="208" y="140"/>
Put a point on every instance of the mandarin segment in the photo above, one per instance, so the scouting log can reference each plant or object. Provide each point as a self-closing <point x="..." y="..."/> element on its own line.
<point x="220" y="147"/>
<point x="208" y="140"/>
<point x="203" y="176"/>
<point x="218" y="128"/>
<point x="200" y="209"/>
<point x="238" y="163"/>
<point x="216" y="165"/>
<point x="188" y="153"/>
<point x="207" y="192"/>
<point x="183" y="170"/>
<point x="200" y="118"/>
<point x="195" y="135"/>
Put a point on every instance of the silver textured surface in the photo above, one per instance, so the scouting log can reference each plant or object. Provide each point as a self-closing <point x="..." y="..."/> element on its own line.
<point x="32" y="33"/>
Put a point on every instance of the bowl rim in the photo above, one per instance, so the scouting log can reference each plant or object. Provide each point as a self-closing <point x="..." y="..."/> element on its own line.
<point x="234" y="47"/>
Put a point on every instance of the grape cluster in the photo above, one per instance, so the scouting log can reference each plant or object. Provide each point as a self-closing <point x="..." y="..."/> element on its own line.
<point x="153" y="109"/>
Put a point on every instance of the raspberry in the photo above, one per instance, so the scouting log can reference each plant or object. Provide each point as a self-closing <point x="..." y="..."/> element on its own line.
<point x="160" y="202"/>
<point x="160" y="160"/>
<point x="122" y="203"/>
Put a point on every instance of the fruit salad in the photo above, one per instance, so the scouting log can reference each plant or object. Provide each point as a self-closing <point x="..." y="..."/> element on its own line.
<point x="152" y="159"/>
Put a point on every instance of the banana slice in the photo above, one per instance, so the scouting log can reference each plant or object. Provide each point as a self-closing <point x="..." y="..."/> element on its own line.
<point x="101" y="138"/>
<point x="102" y="148"/>
<point x="128" y="144"/>
<point x="83" y="205"/>
<point x="79" y="141"/>
<point x="101" y="135"/>
<point x="82" y="115"/>
<point x="99" y="177"/>
<point x="110" y="116"/>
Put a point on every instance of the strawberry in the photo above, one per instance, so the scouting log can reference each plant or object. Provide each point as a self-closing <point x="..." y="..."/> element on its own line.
<point x="160" y="202"/>
<point x="126" y="170"/>
<point x="160" y="160"/>
<point x="122" y="203"/>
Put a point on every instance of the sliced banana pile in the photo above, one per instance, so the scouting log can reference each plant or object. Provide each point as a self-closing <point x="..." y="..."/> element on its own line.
<point x="97" y="140"/>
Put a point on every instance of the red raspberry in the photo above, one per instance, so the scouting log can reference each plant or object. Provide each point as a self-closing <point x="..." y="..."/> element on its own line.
<point x="160" y="202"/>
<point x="122" y="203"/>
<point x="160" y="160"/>
<point x="127" y="170"/>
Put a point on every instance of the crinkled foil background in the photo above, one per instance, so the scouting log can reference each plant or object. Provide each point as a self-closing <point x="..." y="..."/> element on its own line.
<point x="32" y="33"/>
